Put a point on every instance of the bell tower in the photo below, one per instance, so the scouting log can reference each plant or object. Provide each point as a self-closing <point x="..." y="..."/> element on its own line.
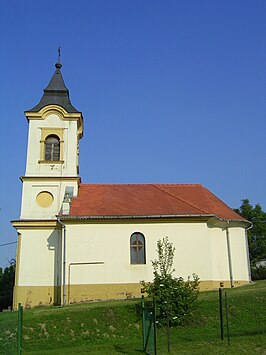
<point x="55" y="128"/>
<point x="51" y="180"/>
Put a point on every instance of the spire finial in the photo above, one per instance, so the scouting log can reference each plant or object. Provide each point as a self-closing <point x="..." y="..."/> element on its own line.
<point x="58" y="64"/>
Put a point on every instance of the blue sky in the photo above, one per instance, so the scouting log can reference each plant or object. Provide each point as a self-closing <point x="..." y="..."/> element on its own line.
<point x="171" y="92"/>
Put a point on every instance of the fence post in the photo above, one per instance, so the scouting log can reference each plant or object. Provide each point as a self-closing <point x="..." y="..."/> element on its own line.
<point x="168" y="326"/>
<point x="143" y="322"/>
<point x="155" y="326"/>
<point x="149" y="327"/>
<point x="20" y="323"/>
<point x="227" y="319"/>
<point x="221" y="312"/>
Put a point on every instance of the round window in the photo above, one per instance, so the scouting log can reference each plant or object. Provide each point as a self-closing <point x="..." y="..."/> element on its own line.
<point x="44" y="199"/>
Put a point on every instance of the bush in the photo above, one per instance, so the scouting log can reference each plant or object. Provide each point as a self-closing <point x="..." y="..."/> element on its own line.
<point x="7" y="278"/>
<point x="175" y="297"/>
<point x="258" y="273"/>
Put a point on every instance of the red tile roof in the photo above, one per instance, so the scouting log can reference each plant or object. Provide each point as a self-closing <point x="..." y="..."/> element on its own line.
<point x="148" y="200"/>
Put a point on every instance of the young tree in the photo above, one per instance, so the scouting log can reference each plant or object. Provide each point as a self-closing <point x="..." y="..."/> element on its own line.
<point x="175" y="297"/>
<point x="256" y="235"/>
<point x="7" y="278"/>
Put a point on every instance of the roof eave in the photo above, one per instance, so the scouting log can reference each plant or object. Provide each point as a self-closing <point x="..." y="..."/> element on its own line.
<point x="212" y="220"/>
<point x="220" y="222"/>
<point x="67" y="217"/>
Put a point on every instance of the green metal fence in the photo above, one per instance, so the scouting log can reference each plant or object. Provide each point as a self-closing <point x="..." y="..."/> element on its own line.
<point x="149" y="327"/>
<point x="11" y="332"/>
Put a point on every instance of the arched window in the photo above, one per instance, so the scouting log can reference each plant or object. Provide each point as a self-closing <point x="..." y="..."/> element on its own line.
<point x="137" y="249"/>
<point x="52" y="148"/>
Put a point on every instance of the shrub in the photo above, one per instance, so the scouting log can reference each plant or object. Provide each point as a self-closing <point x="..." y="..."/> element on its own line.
<point x="175" y="297"/>
<point x="7" y="278"/>
<point x="258" y="273"/>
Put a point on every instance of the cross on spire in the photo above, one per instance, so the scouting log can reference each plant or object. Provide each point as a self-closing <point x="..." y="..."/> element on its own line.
<point x="58" y="64"/>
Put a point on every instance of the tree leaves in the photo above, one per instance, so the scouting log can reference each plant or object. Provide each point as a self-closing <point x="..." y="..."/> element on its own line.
<point x="256" y="235"/>
<point x="175" y="297"/>
<point x="7" y="278"/>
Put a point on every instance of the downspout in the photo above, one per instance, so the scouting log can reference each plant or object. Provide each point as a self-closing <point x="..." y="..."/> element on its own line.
<point x="229" y="254"/>
<point x="248" y="258"/>
<point x="64" y="261"/>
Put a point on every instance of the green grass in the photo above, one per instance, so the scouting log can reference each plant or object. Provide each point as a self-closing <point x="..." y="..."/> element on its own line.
<point x="115" y="327"/>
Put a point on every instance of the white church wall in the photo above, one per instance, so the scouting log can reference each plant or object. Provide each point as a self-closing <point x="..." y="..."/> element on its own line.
<point x="239" y="254"/>
<point x="109" y="246"/>
<point x="220" y="258"/>
<point x="219" y="269"/>
<point x="40" y="255"/>
<point x="99" y="254"/>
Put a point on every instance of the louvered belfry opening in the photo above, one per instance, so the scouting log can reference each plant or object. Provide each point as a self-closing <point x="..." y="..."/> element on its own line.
<point x="52" y="148"/>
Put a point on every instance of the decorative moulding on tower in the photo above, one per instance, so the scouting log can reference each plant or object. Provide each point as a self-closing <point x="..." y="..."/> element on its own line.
<point x="60" y="112"/>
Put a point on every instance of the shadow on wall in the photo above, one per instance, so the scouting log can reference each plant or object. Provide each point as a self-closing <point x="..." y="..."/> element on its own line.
<point x="55" y="245"/>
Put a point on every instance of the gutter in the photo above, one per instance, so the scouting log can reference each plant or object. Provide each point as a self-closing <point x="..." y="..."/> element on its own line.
<point x="227" y="226"/>
<point x="247" y="246"/>
<point x="229" y="254"/>
<point x="133" y="217"/>
<point x="64" y="260"/>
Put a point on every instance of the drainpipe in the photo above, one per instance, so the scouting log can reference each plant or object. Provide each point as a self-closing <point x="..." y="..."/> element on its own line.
<point x="64" y="261"/>
<point x="248" y="258"/>
<point x="229" y="254"/>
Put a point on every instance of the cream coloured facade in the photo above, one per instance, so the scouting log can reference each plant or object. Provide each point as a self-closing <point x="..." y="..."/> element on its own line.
<point x="50" y="176"/>
<point x="75" y="240"/>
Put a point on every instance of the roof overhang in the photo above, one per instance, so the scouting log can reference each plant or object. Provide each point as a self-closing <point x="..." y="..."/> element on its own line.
<point x="217" y="222"/>
<point x="212" y="220"/>
<point x="134" y="219"/>
<point x="33" y="223"/>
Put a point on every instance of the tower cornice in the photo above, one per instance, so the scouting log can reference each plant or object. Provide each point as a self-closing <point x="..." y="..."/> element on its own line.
<point x="33" y="223"/>
<point x="43" y="112"/>
<point x="51" y="178"/>
<point x="61" y="112"/>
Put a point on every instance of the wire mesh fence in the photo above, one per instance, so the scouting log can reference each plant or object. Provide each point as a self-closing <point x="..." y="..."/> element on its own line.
<point x="87" y="327"/>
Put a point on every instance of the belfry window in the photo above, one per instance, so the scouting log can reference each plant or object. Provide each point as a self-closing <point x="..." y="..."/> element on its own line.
<point x="52" y="148"/>
<point x="137" y="249"/>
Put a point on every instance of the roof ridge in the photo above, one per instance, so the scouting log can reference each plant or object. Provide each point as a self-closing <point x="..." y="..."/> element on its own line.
<point x="180" y="199"/>
<point x="113" y="185"/>
<point x="140" y="184"/>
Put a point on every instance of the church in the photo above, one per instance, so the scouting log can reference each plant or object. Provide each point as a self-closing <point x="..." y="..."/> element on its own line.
<point x="84" y="242"/>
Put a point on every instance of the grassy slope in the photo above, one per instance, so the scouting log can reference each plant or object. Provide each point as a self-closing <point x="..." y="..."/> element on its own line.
<point x="115" y="327"/>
